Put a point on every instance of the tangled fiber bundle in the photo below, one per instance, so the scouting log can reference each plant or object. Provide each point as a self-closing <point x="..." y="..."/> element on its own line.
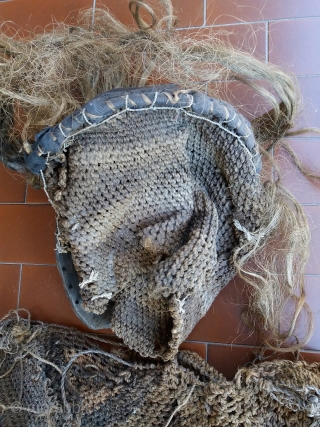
<point x="52" y="376"/>
<point x="48" y="76"/>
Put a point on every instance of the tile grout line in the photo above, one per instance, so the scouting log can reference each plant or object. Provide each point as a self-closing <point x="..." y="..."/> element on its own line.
<point x="206" y="343"/>
<point x="204" y="13"/>
<point x="24" y="203"/>
<point x="303" y="76"/>
<point x="310" y="138"/>
<point x="230" y="24"/>
<point x="308" y="350"/>
<point x="19" y="287"/>
<point x="255" y="346"/>
<point x="55" y="265"/>
<point x="27" y="264"/>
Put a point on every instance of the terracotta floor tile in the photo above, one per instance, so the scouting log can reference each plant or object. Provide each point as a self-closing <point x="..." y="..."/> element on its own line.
<point x="42" y="293"/>
<point x="27" y="234"/>
<point x="295" y="45"/>
<point x="245" y="99"/>
<point x="196" y="347"/>
<point x="310" y="109"/>
<point x="308" y="151"/>
<point x="313" y="300"/>
<point x="30" y="14"/>
<point x="36" y="196"/>
<point x="312" y="286"/>
<point x="188" y="13"/>
<point x="223" y="323"/>
<point x="310" y="357"/>
<point x="223" y="12"/>
<point x="119" y="9"/>
<point x="9" y="286"/>
<point x="12" y="186"/>
<point x="246" y="37"/>
<point x="227" y="359"/>
<point x="313" y="216"/>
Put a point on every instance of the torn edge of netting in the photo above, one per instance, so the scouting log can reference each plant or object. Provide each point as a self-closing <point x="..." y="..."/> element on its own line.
<point x="183" y="390"/>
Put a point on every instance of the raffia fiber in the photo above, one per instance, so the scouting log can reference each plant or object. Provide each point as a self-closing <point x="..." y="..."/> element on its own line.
<point x="52" y="376"/>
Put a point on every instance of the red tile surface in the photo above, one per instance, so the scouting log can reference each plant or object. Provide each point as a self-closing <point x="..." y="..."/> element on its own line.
<point x="295" y="45"/>
<point x="303" y="322"/>
<point x="12" y="186"/>
<point x="27" y="234"/>
<point x="248" y="38"/>
<point x="42" y="293"/>
<point x="9" y="285"/>
<point x="310" y="357"/>
<point x="313" y="216"/>
<point x="223" y="323"/>
<point x="310" y="108"/>
<point x="196" y="347"/>
<point x="313" y="300"/>
<point x="245" y="99"/>
<point x="308" y="152"/>
<point x="36" y="196"/>
<point x="188" y="13"/>
<point x="35" y="14"/>
<point x="228" y="359"/>
<point x="222" y="11"/>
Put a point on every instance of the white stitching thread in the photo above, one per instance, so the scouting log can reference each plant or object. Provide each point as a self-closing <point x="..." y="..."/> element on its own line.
<point x="85" y="117"/>
<point x="192" y="101"/>
<point x="119" y="113"/>
<point x="153" y="102"/>
<point x="60" y="128"/>
<point x="230" y="120"/>
<point x="229" y="132"/>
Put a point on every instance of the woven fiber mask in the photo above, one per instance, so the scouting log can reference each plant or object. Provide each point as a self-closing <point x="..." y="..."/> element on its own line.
<point x="154" y="189"/>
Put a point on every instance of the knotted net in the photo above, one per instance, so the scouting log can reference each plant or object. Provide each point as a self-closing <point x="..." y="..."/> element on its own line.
<point x="54" y="376"/>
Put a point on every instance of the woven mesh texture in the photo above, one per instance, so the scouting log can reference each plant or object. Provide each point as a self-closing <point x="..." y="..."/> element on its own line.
<point x="146" y="203"/>
<point x="53" y="376"/>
